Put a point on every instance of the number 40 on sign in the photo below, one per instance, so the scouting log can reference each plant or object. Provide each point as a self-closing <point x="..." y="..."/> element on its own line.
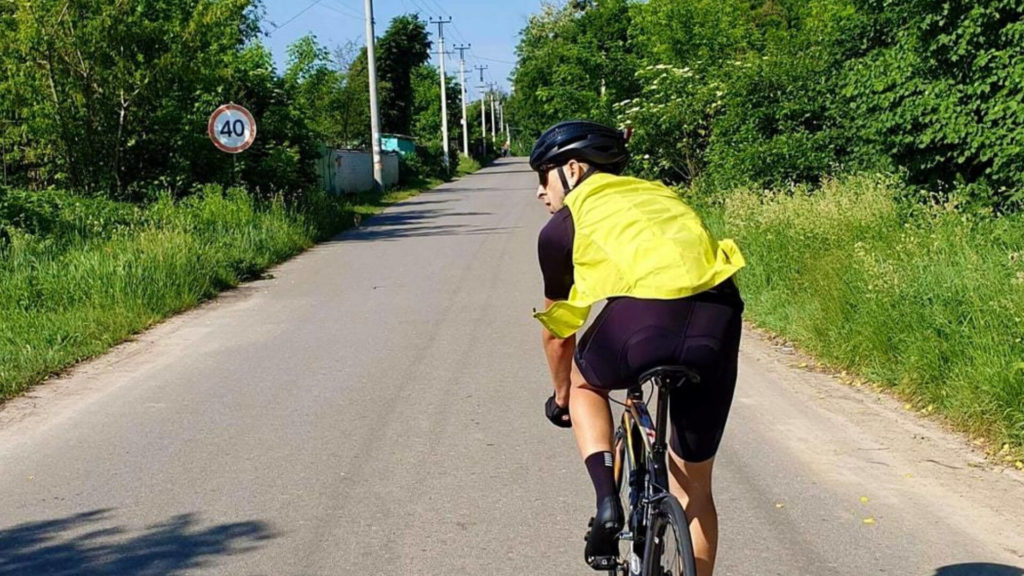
<point x="232" y="128"/>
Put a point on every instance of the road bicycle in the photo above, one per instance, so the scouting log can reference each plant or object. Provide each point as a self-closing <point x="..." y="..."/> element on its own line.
<point x="655" y="540"/>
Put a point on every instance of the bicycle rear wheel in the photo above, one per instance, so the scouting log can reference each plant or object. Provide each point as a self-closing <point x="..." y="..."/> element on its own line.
<point x="669" y="550"/>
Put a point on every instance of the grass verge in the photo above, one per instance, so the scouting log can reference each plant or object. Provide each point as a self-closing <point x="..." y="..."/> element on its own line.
<point x="79" y="276"/>
<point x="467" y="165"/>
<point x="928" y="302"/>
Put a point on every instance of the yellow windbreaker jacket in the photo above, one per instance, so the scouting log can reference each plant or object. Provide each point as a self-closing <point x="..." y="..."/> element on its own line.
<point x="635" y="238"/>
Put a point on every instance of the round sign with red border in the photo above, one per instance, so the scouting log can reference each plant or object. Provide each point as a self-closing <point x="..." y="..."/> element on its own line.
<point x="232" y="128"/>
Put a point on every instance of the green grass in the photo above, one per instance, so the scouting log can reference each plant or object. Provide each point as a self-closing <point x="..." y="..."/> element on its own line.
<point x="467" y="165"/>
<point x="928" y="302"/>
<point x="78" y="276"/>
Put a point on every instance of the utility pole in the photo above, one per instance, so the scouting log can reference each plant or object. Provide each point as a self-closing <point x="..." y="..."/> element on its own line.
<point x="444" y="84"/>
<point x="483" y="115"/>
<point x="371" y="61"/>
<point x="494" y="117"/>
<point x="501" y="116"/>
<point x="462" y="79"/>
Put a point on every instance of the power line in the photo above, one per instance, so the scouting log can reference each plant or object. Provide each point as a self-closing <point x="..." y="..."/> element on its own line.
<point x="343" y="9"/>
<point x="439" y="7"/>
<point x="430" y="13"/>
<point x="477" y="59"/>
<point x="292" y="19"/>
<point x="496" y="60"/>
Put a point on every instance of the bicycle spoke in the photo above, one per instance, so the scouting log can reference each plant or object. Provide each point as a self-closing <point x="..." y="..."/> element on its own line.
<point x="670" y="564"/>
<point x="669" y="551"/>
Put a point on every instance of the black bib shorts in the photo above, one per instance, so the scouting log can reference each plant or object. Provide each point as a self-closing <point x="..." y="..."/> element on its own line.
<point x="631" y="336"/>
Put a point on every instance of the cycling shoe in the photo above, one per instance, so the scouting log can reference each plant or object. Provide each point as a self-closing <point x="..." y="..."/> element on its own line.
<point x="602" y="551"/>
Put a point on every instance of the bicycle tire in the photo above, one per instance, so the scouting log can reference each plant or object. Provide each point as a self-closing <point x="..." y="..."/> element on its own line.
<point x="668" y="517"/>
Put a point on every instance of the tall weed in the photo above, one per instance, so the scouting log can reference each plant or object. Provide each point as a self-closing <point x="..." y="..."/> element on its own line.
<point x="926" y="300"/>
<point x="77" y="275"/>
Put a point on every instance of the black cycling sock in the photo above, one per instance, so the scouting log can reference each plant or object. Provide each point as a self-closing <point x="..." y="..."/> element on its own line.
<point x="600" y="467"/>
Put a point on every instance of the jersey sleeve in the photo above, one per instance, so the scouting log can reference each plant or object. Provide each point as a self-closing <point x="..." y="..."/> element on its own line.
<point x="554" y="249"/>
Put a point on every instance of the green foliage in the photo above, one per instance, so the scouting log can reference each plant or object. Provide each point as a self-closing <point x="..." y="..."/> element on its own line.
<point x="321" y="92"/>
<point x="693" y="33"/>
<point x="467" y="165"/>
<point x="791" y="91"/>
<point x="108" y="95"/>
<point x="113" y="98"/>
<point x="939" y="92"/>
<point x="404" y="47"/>
<point x="80" y="275"/>
<point x="63" y="217"/>
<point x="574" y="61"/>
<point x="779" y="120"/>
<point x="85" y="286"/>
<point x="783" y="97"/>
<point x="673" y="114"/>
<point x="356" y="103"/>
<point x="427" y="163"/>
<point x="927" y="300"/>
<point x="426" y="108"/>
<point x="481" y="146"/>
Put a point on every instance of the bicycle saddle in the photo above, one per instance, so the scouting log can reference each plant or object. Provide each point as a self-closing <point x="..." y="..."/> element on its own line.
<point x="670" y="377"/>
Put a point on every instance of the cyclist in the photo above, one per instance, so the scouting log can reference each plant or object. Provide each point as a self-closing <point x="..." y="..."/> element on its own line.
<point x="670" y="300"/>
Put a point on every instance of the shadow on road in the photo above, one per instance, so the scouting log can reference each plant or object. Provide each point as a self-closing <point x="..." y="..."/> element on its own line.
<point x="486" y="172"/>
<point x="427" y="198"/>
<point x="87" y="544"/>
<point x="404" y="223"/>
<point x="979" y="569"/>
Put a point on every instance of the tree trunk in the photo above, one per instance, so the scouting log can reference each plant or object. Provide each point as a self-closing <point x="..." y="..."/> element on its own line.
<point x="118" y="146"/>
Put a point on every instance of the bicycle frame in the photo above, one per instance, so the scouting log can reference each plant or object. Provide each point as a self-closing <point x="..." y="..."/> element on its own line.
<point x="654" y="432"/>
<point x="650" y="482"/>
<point x="642" y="437"/>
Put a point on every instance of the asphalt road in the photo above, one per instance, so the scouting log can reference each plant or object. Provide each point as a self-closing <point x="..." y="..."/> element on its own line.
<point x="375" y="407"/>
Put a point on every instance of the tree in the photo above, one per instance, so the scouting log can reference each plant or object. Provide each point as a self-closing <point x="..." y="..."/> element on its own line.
<point x="117" y="82"/>
<point x="113" y="97"/>
<point x="574" y="61"/>
<point x="319" y="89"/>
<point x="426" y="113"/>
<point x="404" y="46"/>
<point x="944" y="100"/>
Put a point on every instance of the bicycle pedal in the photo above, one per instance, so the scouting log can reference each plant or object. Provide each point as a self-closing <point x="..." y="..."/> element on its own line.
<point x="603" y="562"/>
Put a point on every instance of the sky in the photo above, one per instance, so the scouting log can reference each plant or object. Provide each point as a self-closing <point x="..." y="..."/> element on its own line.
<point x="490" y="27"/>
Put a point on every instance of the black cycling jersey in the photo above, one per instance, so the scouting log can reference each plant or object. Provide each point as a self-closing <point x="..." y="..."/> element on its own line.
<point x="554" y="248"/>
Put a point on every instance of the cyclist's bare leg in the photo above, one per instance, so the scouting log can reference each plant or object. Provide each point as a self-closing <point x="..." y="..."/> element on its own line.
<point x="690" y="482"/>
<point x="591" y="415"/>
<point x="592" y="424"/>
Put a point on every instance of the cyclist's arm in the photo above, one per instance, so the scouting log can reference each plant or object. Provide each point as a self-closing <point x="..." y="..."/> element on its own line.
<point x="559" y="352"/>
<point x="554" y="249"/>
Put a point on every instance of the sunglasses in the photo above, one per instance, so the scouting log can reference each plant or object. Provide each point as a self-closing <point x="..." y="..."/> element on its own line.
<point x="543" y="174"/>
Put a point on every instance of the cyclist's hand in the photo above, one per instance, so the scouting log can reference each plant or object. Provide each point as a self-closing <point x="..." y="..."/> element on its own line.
<point x="556" y="414"/>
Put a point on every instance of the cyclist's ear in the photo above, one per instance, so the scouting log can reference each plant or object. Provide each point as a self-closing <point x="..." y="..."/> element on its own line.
<point x="575" y="170"/>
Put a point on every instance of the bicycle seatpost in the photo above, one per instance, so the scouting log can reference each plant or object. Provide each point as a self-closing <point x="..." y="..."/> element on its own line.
<point x="659" y="448"/>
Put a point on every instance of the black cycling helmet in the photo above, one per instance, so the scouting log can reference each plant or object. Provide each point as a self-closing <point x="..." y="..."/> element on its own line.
<point x="602" y="147"/>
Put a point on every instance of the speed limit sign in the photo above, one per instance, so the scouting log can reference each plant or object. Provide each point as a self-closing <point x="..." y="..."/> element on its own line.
<point x="232" y="128"/>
